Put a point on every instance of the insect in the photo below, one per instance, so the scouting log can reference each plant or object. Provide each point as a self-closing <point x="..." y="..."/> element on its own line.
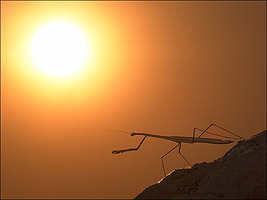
<point x="179" y="140"/>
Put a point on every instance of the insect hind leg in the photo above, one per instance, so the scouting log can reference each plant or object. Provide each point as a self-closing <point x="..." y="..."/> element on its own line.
<point x="237" y="137"/>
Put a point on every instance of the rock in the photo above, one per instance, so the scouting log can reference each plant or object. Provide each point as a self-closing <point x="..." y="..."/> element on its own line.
<point x="239" y="174"/>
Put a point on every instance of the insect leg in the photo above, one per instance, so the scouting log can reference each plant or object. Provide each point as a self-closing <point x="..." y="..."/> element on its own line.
<point x="210" y="133"/>
<point x="131" y="149"/>
<point x="166" y="155"/>
<point x="206" y="131"/>
<point x="183" y="156"/>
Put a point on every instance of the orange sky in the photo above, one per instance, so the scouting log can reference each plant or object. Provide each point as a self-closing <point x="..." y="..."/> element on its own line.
<point x="156" y="67"/>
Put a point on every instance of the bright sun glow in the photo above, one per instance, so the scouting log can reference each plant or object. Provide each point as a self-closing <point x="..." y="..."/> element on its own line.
<point x="59" y="48"/>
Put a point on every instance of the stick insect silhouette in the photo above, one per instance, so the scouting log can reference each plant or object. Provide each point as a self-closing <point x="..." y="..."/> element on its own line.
<point x="180" y="140"/>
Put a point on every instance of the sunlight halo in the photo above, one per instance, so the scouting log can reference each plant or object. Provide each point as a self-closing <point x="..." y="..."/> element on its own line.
<point x="59" y="48"/>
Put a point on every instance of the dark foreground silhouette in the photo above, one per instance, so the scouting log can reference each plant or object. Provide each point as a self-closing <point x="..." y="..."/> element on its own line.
<point x="239" y="174"/>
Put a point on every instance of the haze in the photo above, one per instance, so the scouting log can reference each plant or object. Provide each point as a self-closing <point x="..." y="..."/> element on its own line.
<point x="155" y="67"/>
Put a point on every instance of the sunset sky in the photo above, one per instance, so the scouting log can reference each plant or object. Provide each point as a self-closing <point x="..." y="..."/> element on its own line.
<point x="155" y="67"/>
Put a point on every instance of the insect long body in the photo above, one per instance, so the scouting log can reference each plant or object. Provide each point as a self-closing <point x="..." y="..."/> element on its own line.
<point x="179" y="140"/>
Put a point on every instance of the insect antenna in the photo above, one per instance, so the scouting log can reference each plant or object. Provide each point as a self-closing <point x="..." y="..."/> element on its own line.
<point x="120" y="131"/>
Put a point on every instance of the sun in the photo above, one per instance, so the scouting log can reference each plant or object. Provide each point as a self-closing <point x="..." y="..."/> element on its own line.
<point x="59" y="48"/>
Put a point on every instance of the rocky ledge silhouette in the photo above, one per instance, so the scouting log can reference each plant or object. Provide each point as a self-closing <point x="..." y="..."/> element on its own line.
<point x="239" y="174"/>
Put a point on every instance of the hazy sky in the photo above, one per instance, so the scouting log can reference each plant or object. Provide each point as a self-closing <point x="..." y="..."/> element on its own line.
<point x="156" y="67"/>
